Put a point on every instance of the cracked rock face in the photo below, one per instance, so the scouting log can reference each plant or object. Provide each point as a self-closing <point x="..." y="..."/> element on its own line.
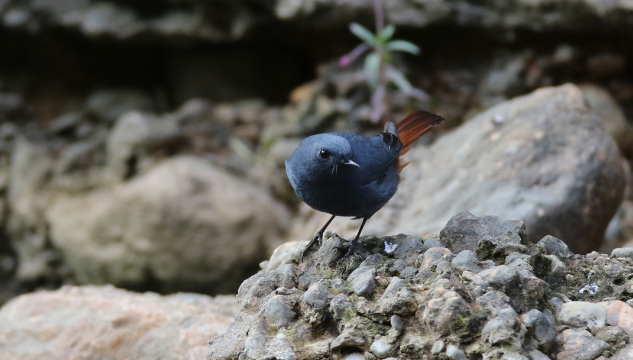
<point x="480" y="296"/>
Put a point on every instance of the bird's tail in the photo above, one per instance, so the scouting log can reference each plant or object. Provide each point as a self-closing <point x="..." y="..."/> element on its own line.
<point x="411" y="128"/>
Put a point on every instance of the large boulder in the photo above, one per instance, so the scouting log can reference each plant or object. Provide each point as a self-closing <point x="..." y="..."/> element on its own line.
<point x="184" y="225"/>
<point x="108" y="323"/>
<point x="543" y="158"/>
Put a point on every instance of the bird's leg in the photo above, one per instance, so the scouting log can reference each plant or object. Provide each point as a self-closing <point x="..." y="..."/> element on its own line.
<point x="352" y="247"/>
<point x="317" y="238"/>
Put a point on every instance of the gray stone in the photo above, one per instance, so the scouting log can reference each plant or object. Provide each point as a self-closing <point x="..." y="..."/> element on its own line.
<point x="455" y="353"/>
<point x="279" y="311"/>
<point x="339" y="305"/>
<point x="397" y="298"/>
<point x="285" y="253"/>
<point x="541" y="326"/>
<point x="438" y="347"/>
<point x="466" y="260"/>
<point x="624" y="354"/>
<point x="408" y="246"/>
<point x="537" y="355"/>
<point x="316" y="296"/>
<point x="626" y="252"/>
<point x="499" y="276"/>
<point x="487" y="235"/>
<point x="580" y="313"/>
<point x="399" y="265"/>
<point x="355" y="356"/>
<point x="364" y="282"/>
<point x="408" y="272"/>
<point x="497" y="331"/>
<point x="554" y="246"/>
<point x="579" y="344"/>
<point x="431" y="243"/>
<point x="614" y="335"/>
<point x="381" y="348"/>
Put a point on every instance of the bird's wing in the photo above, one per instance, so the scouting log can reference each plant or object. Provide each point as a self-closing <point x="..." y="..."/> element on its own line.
<point x="375" y="155"/>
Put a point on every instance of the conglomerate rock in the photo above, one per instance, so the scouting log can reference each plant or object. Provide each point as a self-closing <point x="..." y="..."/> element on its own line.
<point x="497" y="296"/>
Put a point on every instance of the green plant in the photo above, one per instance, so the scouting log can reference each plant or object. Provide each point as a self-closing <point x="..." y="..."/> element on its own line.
<point x="378" y="69"/>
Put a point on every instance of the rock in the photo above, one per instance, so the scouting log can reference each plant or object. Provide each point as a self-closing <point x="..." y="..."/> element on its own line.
<point x="432" y="256"/>
<point x="466" y="261"/>
<point x="563" y="151"/>
<point x="580" y="313"/>
<point x="579" y="344"/>
<point x="610" y="113"/>
<point x="435" y="312"/>
<point x="626" y="252"/>
<point x="364" y="282"/>
<point x="614" y="335"/>
<point x="109" y="105"/>
<point x="381" y="348"/>
<point x="431" y="243"/>
<point x="91" y="322"/>
<point x="438" y="347"/>
<point x="166" y="228"/>
<point x="619" y="314"/>
<point x="541" y="326"/>
<point x="455" y="353"/>
<point x="554" y="246"/>
<point x="289" y="252"/>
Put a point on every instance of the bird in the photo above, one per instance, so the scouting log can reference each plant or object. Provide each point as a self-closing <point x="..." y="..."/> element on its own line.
<point x="349" y="175"/>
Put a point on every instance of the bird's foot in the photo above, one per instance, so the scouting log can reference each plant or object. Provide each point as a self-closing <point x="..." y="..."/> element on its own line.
<point x="351" y="251"/>
<point x="318" y="238"/>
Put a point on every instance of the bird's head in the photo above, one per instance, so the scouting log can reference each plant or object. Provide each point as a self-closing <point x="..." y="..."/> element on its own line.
<point x="321" y="156"/>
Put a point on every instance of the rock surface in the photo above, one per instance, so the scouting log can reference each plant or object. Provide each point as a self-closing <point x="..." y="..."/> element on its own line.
<point x="107" y="323"/>
<point x="181" y="225"/>
<point x="513" y="302"/>
<point x="202" y="19"/>
<point x="542" y="158"/>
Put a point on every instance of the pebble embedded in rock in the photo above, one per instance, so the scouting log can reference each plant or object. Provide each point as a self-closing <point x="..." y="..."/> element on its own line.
<point x="579" y="344"/>
<point x="364" y="283"/>
<point x="455" y="353"/>
<point x="408" y="272"/>
<point x="432" y="256"/>
<point x="581" y="313"/>
<point x="540" y="325"/>
<point x="438" y="347"/>
<point x="554" y="246"/>
<point x="339" y="305"/>
<point x="466" y="260"/>
<point x="381" y="348"/>
<point x="431" y="243"/>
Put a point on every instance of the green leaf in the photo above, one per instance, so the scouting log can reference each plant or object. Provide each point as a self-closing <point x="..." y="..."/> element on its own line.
<point x="372" y="69"/>
<point x="401" y="45"/>
<point x="399" y="79"/>
<point x="387" y="33"/>
<point x="364" y="34"/>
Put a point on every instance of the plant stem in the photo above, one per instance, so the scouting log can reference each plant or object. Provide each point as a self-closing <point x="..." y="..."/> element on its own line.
<point x="380" y="16"/>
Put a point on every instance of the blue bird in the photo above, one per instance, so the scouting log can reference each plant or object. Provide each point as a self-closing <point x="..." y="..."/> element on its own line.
<point x="350" y="175"/>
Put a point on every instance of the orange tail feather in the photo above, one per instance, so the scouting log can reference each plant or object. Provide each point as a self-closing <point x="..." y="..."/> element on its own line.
<point x="411" y="128"/>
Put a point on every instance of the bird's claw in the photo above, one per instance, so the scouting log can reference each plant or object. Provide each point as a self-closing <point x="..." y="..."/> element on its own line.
<point x="351" y="251"/>
<point x="318" y="238"/>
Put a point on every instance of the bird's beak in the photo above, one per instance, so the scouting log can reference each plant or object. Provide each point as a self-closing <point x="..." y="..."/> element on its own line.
<point x="350" y="162"/>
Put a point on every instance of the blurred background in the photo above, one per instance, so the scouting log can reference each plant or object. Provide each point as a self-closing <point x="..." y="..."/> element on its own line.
<point x="142" y="142"/>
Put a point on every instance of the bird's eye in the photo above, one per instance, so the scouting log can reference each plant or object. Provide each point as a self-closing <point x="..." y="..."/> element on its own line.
<point x="324" y="154"/>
